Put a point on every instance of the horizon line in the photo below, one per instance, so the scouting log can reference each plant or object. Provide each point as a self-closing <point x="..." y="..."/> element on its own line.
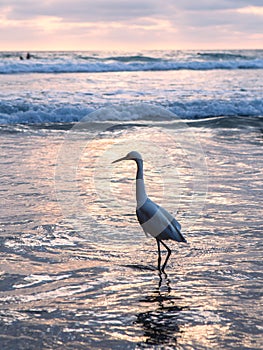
<point x="130" y="50"/>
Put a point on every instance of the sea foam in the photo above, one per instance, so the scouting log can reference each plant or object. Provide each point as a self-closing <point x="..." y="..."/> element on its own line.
<point x="67" y="113"/>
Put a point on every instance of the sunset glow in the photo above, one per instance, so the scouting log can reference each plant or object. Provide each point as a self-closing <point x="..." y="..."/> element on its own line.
<point x="255" y="10"/>
<point x="121" y="25"/>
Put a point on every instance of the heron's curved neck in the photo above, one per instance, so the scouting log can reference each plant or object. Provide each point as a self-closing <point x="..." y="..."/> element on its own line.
<point x="141" y="195"/>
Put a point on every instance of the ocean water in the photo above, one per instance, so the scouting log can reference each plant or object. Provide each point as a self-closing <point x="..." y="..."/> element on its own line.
<point x="66" y="86"/>
<point x="77" y="271"/>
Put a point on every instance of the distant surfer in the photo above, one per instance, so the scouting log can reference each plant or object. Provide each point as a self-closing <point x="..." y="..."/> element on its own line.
<point x="28" y="56"/>
<point x="21" y="58"/>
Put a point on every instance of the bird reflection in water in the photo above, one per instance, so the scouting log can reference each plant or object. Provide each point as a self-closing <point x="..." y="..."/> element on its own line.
<point x="160" y="324"/>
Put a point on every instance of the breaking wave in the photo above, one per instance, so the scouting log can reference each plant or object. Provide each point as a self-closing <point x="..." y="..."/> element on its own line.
<point x="26" y="113"/>
<point x="87" y="63"/>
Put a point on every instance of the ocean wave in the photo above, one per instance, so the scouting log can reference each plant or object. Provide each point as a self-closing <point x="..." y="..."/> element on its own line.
<point x="136" y="58"/>
<point x="27" y="113"/>
<point x="33" y="113"/>
<point x="216" y="108"/>
<point x="223" y="55"/>
<point x="125" y="64"/>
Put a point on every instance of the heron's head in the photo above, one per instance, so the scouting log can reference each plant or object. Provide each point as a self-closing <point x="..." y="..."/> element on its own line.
<point x="133" y="155"/>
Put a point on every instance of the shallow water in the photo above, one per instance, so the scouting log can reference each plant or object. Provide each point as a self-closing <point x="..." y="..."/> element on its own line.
<point x="77" y="271"/>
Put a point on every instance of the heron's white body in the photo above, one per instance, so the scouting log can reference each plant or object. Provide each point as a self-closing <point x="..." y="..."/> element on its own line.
<point x="141" y="195"/>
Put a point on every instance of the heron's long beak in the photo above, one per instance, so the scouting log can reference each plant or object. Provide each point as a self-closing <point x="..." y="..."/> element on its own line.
<point x="119" y="160"/>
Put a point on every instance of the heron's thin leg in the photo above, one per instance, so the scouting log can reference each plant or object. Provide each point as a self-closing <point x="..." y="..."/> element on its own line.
<point x="160" y="280"/>
<point x="159" y="254"/>
<point x="168" y="255"/>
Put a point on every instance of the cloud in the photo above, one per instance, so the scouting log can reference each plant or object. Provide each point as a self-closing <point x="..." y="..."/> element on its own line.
<point x="82" y="10"/>
<point x="145" y="23"/>
<point x="116" y="10"/>
<point x="212" y="5"/>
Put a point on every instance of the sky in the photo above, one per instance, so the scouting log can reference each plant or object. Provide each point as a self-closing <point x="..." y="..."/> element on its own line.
<point x="130" y="24"/>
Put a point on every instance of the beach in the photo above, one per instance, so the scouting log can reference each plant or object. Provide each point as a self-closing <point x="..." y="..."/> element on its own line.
<point x="77" y="271"/>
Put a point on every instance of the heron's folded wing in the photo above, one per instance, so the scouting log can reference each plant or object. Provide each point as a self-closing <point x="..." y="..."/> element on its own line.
<point x="172" y="229"/>
<point x="170" y="218"/>
<point x="146" y="211"/>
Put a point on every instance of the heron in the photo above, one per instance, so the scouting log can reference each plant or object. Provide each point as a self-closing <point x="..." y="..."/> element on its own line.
<point x="154" y="220"/>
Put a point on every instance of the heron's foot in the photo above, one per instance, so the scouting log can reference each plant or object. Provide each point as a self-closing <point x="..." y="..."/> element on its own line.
<point x="164" y="282"/>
